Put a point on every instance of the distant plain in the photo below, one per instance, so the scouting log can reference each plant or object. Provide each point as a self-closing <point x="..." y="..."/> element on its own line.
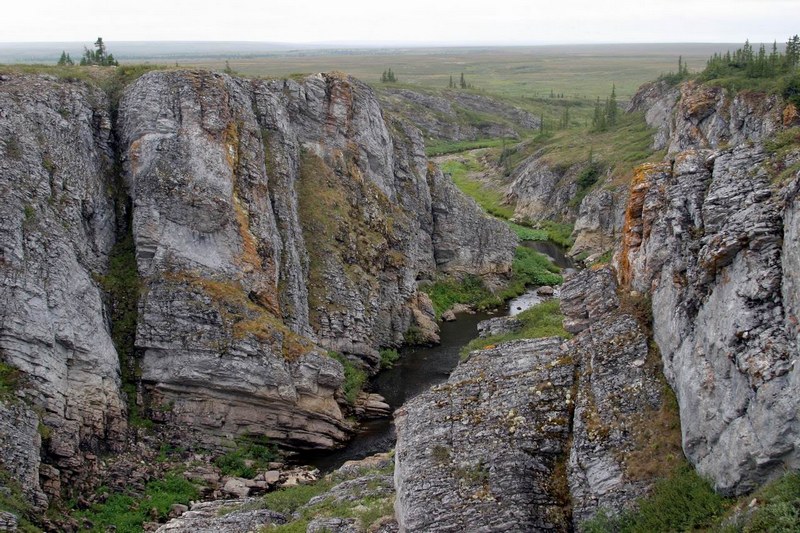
<point x="578" y="72"/>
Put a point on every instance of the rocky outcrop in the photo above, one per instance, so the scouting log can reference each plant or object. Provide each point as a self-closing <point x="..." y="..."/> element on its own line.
<point x="481" y="451"/>
<point x="540" y="190"/>
<point x="693" y="115"/>
<point x="20" y="446"/>
<point x="271" y="217"/>
<point x="348" y="502"/>
<point x="57" y="227"/>
<point x="713" y="240"/>
<point x="537" y="434"/>
<point x="456" y="115"/>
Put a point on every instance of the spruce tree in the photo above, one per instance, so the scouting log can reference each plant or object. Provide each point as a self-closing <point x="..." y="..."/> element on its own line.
<point x="463" y="82"/>
<point x="611" y="107"/>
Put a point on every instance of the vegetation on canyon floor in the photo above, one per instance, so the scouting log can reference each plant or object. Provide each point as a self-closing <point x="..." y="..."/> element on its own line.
<point x="542" y="320"/>
<point x="529" y="268"/>
<point x="126" y="513"/>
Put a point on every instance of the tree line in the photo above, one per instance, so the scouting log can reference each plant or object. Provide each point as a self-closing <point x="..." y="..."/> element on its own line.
<point x="99" y="56"/>
<point x="750" y="63"/>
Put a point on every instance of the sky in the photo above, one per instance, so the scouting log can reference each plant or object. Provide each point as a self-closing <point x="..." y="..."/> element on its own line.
<point x="420" y="22"/>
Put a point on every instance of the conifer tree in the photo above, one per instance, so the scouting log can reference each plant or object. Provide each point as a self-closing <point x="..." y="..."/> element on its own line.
<point x="463" y="82"/>
<point x="611" y="107"/>
<point x="65" y="60"/>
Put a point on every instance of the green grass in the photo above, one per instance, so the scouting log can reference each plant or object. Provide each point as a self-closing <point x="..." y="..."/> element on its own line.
<point x="447" y="292"/>
<point x="126" y="513"/>
<point x="525" y="233"/>
<point x="543" y="320"/>
<point x="10" y="381"/>
<point x="683" y="502"/>
<point x="438" y="147"/>
<point x="389" y="357"/>
<point x="525" y="72"/>
<point x="488" y="197"/>
<point x="354" y="377"/>
<point x="779" y="511"/>
<point x="528" y="268"/>
<point x="247" y="457"/>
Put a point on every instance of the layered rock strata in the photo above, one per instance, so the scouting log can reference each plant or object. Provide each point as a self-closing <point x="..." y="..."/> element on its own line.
<point x="57" y="227"/>
<point x="711" y="235"/>
<point x="271" y="217"/>
<point x="534" y="434"/>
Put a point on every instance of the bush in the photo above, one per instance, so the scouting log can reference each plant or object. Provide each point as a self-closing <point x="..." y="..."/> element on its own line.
<point x="682" y="502"/>
<point x="780" y="507"/>
<point x="250" y="455"/>
<point x="10" y="380"/>
<point x="790" y="89"/>
<point x="448" y="292"/>
<point x="126" y="513"/>
<point x="388" y="357"/>
<point x="354" y="377"/>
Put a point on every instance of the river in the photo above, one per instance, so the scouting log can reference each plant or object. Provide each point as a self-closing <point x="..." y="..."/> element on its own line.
<point x="421" y="367"/>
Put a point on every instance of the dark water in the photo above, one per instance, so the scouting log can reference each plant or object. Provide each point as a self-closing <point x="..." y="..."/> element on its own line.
<point x="418" y="369"/>
<point x="551" y="250"/>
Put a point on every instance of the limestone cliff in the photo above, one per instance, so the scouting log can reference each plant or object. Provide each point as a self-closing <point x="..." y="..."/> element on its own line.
<point x="271" y="217"/>
<point x="457" y="115"/>
<point x="57" y="227"/>
<point x="535" y="434"/>
<point x="272" y="221"/>
<point x="711" y="234"/>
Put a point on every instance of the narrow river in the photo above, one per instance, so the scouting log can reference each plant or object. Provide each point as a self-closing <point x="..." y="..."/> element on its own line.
<point x="421" y="367"/>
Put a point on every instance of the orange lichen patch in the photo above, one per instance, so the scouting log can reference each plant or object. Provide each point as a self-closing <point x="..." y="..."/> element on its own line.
<point x="791" y="117"/>
<point x="697" y="101"/>
<point x="134" y="153"/>
<point x="250" y="253"/>
<point x="634" y="230"/>
<point x="245" y="317"/>
<point x="230" y="139"/>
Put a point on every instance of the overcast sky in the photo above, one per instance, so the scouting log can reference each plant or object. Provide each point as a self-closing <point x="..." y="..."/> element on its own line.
<point x="401" y="21"/>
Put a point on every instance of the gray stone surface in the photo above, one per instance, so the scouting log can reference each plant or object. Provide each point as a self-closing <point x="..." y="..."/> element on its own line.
<point x="714" y="242"/>
<point x="223" y="516"/>
<point x="57" y="226"/>
<point x="20" y="446"/>
<point x="525" y="431"/>
<point x="223" y="241"/>
<point x="479" y="452"/>
<point x="441" y="115"/>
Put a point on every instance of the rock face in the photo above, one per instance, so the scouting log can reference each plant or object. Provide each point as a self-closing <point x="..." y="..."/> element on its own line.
<point x="714" y="242"/>
<point x="480" y="452"/>
<point x="20" y="446"/>
<point x="57" y="226"/>
<point x="523" y="429"/>
<point x="271" y="217"/>
<point x="272" y="221"/>
<point x="456" y="115"/>
<point x="541" y="190"/>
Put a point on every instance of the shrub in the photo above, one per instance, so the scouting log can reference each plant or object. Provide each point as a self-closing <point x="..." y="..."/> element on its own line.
<point x="125" y="513"/>
<point x="10" y="380"/>
<point x="354" y="377"/>
<point x="682" y="502"/>
<point x="250" y="454"/>
<point x="389" y="357"/>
